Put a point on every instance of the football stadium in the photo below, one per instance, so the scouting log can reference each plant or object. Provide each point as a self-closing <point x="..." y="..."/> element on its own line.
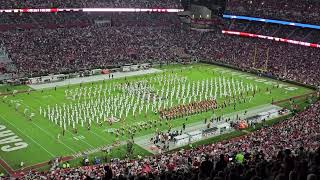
<point x="166" y="90"/>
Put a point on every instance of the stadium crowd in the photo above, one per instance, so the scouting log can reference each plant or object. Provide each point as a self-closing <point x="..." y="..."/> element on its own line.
<point x="39" y="52"/>
<point x="295" y="10"/>
<point x="288" y="150"/>
<point x="283" y="60"/>
<point x="63" y="50"/>
<point x="275" y="30"/>
<point x="27" y="21"/>
<point x="91" y="4"/>
<point x="14" y="21"/>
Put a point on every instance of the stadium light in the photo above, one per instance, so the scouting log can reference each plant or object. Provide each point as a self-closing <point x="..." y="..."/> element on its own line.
<point x="163" y="10"/>
<point x="271" y="38"/>
<point x="54" y="10"/>
<point x="288" y="23"/>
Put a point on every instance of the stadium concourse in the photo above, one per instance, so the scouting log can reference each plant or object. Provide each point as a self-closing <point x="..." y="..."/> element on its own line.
<point x="41" y="44"/>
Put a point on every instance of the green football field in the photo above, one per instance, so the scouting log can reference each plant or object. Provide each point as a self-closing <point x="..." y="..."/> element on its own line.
<point x="36" y="140"/>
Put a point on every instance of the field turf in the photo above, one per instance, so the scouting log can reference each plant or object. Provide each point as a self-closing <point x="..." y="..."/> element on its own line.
<point x="40" y="134"/>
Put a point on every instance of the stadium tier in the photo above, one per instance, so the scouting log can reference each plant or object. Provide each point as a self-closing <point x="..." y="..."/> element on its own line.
<point x="79" y="19"/>
<point x="42" y="54"/>
<point x="296" y="10"/>
<point x="65" y="50"/>
<point x="273" y="21"/>
<point x="101" y="95"/>
<point x="275" y="30"/>
<point x="11" y="4"/>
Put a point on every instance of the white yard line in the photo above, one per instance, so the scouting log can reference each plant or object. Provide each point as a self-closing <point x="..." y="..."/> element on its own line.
<point x="27" y="136"/>
<point x="53" y="137"/>
<point x="67" y="130"/>
<point x="84" y="141"/>
<point x="101" y="137"/>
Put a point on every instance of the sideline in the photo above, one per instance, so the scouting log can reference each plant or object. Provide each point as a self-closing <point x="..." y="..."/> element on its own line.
<point x="95" y="78"/>
<point x="6" y="167"/>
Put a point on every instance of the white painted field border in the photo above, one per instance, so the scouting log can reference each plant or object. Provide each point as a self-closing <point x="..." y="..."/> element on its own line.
<point x="7" y="164"/>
